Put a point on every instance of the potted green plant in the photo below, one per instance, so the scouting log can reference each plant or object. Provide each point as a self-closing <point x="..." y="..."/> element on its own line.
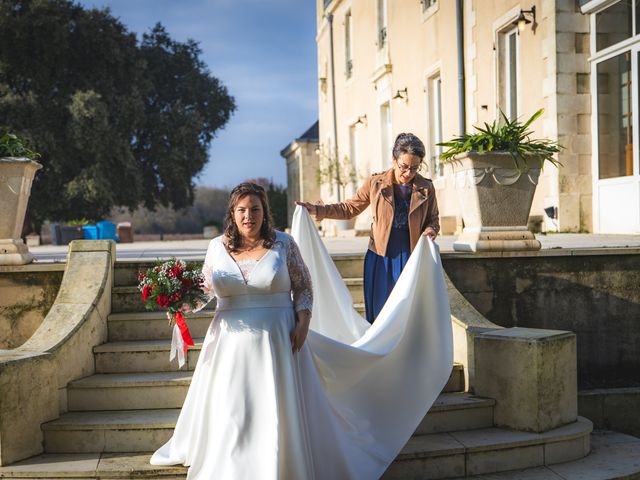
<point x="496" y="171"/>
<point x="339" y="173"/>
<point x="17" y="169"/>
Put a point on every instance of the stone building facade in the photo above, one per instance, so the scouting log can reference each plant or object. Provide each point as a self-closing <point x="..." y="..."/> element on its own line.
<point x="302" y="157"/>
<point x="435" y="67"/>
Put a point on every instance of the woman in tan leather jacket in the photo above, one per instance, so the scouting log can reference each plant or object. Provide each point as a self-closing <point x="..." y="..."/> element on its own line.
<point x="403" y="206"/>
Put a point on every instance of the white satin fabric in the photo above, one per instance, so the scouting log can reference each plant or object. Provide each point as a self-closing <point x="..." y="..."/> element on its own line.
<point x="341" y="408"/>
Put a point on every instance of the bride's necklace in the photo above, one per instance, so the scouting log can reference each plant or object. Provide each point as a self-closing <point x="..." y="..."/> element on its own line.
<point x="248" y="248"/>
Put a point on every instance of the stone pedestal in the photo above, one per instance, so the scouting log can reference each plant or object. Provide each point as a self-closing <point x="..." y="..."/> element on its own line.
<point x="16" y="176"/>
<point x="487" y="239"/>
<point x="531" y="374"/>
<point x="14" y="252"/>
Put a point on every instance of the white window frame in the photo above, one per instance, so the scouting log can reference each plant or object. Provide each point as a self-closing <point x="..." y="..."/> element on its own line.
<point x="386" y="140"/>
<point x="434" y="123"/>
<point x="382" y="30"/>
<point x="632" y="45"/>
<point x="348" y="45"/>
<point x="504" y="91"/>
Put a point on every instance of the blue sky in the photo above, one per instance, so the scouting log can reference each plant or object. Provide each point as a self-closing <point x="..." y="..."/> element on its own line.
<point x="264" y="52"/>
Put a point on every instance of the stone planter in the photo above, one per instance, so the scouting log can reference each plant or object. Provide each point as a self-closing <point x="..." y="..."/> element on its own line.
<point x="16" y="177"/>
<point x="495" y="201"/>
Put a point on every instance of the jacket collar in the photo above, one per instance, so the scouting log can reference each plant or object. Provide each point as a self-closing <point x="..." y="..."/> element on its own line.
<point x="419" y="192"/>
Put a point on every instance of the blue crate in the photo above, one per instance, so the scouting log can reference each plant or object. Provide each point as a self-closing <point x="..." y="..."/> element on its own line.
<point x="107" y="230"/>
<point x="90" y="232"/>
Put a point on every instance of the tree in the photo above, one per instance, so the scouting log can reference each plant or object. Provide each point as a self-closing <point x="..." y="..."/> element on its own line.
<point x="117" y="122"/>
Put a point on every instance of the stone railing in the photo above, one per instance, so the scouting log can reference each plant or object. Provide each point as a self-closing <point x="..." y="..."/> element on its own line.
<point x="530" y="373"/>
<point x="34" y="376"/>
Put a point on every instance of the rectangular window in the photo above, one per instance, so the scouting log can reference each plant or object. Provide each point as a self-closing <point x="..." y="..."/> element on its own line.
<point x="382" y="24"/>
<point x="615" y="113"/>
<point x="508" y="72"/>
<point x="385" y="135"/>
<point x="434" y="91"/>
<point x="348" y="36"/>
<point x="613" y="24"/>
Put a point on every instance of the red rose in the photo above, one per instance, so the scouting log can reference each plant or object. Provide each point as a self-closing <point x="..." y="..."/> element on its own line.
<point x="163" y="301"/>
<point x="146" y="291"/>
<point x="187" y="283"/>
<point x="175" y="272"/>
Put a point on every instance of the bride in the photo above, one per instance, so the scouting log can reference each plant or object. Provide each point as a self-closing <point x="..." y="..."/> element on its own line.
<point x="273" y="399"/>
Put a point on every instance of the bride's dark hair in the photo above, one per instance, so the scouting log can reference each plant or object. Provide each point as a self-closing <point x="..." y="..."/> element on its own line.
<point x="267" y="231"/>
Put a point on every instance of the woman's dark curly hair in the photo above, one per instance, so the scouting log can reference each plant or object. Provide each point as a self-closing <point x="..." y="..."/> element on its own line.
<point x="267" y="232"/>
<point x="408" y="143"/>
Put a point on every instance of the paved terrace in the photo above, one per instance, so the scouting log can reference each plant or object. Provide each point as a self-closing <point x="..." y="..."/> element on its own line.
<point x="196" y="249"/>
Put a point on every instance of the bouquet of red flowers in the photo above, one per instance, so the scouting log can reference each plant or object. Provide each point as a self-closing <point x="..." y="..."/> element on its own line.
<point x="177" y="287"/>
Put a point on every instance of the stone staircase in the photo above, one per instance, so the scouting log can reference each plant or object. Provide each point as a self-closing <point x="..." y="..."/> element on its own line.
<point x="130" y="406"/>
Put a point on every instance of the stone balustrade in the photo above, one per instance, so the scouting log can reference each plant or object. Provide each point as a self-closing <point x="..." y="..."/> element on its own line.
<point x="34" y="376"/>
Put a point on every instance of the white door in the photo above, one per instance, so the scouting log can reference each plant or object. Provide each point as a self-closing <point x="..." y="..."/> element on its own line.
<point x="616" y="176"/>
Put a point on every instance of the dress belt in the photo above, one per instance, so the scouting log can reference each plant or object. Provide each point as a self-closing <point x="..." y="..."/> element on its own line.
<point x="272" y="300"/>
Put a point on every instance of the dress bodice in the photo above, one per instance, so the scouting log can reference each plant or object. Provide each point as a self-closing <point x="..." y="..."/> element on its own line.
<point x="401" y="202"/>
<point x="280" y="270"/>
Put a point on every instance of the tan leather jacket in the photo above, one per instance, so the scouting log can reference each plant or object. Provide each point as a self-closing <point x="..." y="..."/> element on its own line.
<point x="377" y="191"/>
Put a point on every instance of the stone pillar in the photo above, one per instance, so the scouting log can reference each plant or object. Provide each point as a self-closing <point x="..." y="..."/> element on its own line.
<point x="16" y="176"/>
<point x="531" y="374"/>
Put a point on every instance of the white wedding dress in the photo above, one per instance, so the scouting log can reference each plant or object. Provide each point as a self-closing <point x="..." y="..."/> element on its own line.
<point x="341" y="408"/>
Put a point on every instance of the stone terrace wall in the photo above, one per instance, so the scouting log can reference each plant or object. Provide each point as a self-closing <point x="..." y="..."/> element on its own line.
<point x="595" y="294"/>
<point x="26" y="295"/>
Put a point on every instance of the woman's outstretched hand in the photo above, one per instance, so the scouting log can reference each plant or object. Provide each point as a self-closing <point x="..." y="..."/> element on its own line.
<point x="311" y="208"/>
<point x="301" y="329"/>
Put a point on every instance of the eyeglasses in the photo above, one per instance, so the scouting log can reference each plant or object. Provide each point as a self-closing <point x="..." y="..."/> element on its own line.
<point x="404" y="167"/>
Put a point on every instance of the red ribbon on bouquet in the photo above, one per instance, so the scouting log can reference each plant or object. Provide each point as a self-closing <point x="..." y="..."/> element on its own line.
<point x="184" y="331"/>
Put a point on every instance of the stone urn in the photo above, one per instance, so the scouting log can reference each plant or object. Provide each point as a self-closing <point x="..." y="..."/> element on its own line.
<point x="16" y="177"/>
<point x="495" y="200"/>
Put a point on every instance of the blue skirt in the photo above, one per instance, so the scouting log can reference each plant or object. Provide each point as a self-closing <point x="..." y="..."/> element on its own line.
<point x="382" y="273"/>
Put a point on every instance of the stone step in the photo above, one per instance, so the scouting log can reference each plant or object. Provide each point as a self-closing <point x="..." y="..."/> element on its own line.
<point x="143" y="356"/>
<point x="129" y="430"/>
<point x="129" y="391"/>
<point x="126" y="272"/>
<point x="438" y="455"/>
<point x="153" y="325"/>
<point x="128" y="300"/>
<point x="488" y="450"/>
<point x="109" y="431"/>
<point x="349" y="265"/>
<point x="355" y="286"/>
<point x="140" y="356"/>
<point x="132" y="391"/>
<point x="613" y="456"/>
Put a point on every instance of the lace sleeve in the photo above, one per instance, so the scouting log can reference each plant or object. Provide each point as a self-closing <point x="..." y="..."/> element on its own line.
<point x="207" y="273"/>
<point x="300" y="278"/>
